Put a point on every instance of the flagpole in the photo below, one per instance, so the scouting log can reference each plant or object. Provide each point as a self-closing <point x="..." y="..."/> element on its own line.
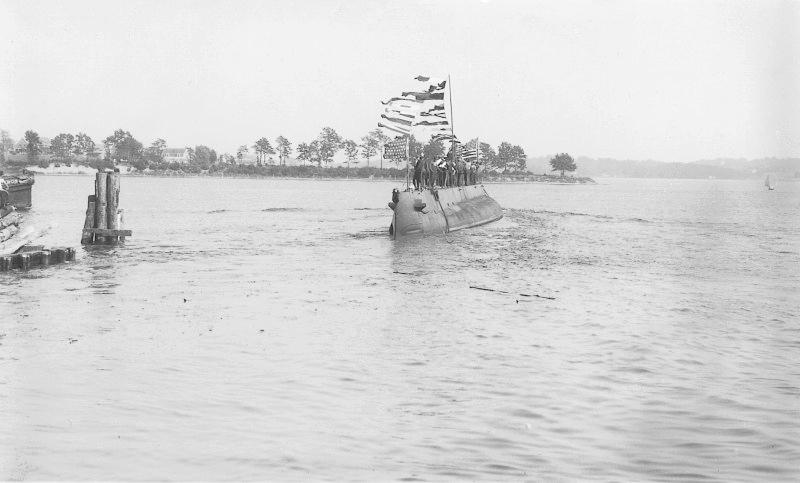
<point x="452" y="120"/>
<point x="477" y="160"/>
<point x="408" y="159"/>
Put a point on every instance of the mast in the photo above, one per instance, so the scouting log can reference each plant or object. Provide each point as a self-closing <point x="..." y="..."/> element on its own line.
<point x="408" y="159"/>
<point x="477" y="160"/>
<point x="452" y="123"/>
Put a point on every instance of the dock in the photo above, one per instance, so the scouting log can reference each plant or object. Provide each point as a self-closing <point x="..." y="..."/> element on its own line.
<point x="32" y="257"/>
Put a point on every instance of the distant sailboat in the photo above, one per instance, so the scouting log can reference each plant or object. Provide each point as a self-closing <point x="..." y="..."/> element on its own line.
<point x="768" y="183"/>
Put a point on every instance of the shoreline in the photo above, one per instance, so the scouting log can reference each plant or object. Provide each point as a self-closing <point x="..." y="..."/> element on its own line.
<point x="498" y="179"/>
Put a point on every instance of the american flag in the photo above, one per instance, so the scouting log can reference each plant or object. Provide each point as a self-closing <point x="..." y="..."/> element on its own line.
<point x="470" y="154"/>
<point x="395" y="149"/>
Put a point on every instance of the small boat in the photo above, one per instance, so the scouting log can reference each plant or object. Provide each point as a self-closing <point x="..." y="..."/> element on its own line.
<point x="17" y="191"/>
<point x="768" y="183"/>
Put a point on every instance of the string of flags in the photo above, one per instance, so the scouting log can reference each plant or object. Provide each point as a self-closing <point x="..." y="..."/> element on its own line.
<point x="419" y="112"/>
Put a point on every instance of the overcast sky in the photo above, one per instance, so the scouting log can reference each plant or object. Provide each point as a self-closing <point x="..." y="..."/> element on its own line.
<point x="670" y="81"/>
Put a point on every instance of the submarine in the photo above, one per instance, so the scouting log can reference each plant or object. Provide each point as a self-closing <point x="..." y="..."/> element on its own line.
<point x="437" y="211"/>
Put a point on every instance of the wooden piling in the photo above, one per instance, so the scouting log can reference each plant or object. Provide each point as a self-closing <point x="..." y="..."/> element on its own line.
<point x="101" y="204"/>
<point x="121" y="222"/>
<point x="104" y="220"/>
<point x="112" y="192"/>
<point x="88" y="223"/>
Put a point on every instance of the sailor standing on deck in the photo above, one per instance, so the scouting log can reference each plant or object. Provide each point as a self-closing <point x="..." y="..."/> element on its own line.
<point x="418" y="172"/>
<point x="437" y="172"/>
<point x="451" y="172"/>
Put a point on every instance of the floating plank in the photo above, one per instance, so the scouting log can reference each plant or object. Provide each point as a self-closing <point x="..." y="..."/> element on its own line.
<point x="106" y="232"/>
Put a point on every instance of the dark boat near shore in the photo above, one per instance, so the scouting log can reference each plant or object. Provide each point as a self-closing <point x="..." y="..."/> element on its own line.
<point x="437" y="211"/>
<point x="19" y="191"/>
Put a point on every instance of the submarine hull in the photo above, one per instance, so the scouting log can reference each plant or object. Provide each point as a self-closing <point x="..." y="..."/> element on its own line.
<point x="437" y="211"/>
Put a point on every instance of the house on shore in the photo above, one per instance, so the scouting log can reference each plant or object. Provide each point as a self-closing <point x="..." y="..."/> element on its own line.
<point x="176" y="155"/>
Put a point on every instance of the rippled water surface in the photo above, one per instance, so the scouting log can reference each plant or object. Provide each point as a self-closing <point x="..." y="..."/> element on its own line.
<point x="269" y="329"/>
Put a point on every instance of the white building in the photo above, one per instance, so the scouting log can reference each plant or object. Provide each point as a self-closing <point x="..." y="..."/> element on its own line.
<point x="176" y="155"/>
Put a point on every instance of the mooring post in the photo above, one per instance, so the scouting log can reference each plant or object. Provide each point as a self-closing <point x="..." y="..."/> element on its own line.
<point x="100" y="207"/>
<point x="121" y="222"/>
<point x="88" y="224"/>
<point x="104" y="220"/>
<point x="112" y="190"/>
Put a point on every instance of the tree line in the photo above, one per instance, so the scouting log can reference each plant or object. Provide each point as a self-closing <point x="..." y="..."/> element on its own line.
<point x="122" y="147"/>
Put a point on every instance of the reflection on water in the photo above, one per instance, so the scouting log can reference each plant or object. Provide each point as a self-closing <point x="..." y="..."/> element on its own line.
<point x="269" y="329"/>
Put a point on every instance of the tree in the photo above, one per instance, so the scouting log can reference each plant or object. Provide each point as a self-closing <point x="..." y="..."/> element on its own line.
<point x="488" y="155"/>
<point x="433" y="150"/>
<point x="204" y="157"/>
<point x="241" y="152"/>
<point x="33" y="145"/>
<point x="369" y="147"/>
<point x="329" y="142"/>
<point x="6" y="141"/>
<point x="122" y="146"/>
<point x="62" y="146"/>
<point x="314" y="152"/>
<point x="351" y="151"/>
<point x="382" y="139"/>
<point x="304" y="152"/>
<point x="284" y="148"/>
<point x="415" y="148"/>
<point x="262" y="148"/>
<point x="504" y="156"/>
<point x="563" y="162"/>
<point x="155" y="152"/>
<point x="84" y="146"/>
<point x="191" y="155"/>
<point x="517" y="158"/>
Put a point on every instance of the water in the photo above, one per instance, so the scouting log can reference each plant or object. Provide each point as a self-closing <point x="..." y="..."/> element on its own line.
<point x="269" y="329"/>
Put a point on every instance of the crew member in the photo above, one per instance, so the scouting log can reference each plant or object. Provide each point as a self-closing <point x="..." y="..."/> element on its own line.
<point x="451" y="173"/>
<point x="417" y="172"/>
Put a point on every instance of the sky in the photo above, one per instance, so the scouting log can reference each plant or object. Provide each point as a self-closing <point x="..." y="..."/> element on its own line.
<point x="661" y="80"/>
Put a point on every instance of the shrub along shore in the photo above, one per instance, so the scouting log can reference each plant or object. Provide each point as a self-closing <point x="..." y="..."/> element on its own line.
<point x="306" y="172"/>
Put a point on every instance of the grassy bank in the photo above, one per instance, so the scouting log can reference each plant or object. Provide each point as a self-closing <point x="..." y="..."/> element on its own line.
<point x="274" y="171"/>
